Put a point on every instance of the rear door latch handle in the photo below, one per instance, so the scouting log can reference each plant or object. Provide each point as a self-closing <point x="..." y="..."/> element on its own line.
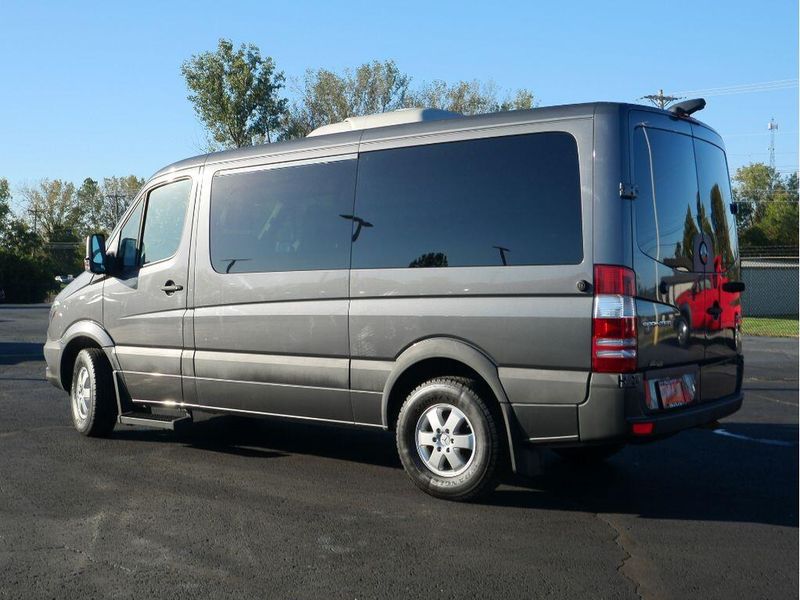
<point x="171" y="287"/>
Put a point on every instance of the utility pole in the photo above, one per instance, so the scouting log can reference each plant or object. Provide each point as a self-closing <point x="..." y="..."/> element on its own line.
<point x="35" y="211"/>
<point x="772" y="127"/>
<point x="116" y="198"/>
<point x="660" y="100"/>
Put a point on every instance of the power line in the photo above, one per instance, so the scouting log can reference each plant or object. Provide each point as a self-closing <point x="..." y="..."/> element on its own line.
<point x="744" y="88"/>
<point x="759" y="133"/>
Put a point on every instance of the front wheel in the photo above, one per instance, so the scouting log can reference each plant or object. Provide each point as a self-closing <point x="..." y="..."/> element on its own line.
<point x="92" y="399"/>
<point x="448" y="439"/>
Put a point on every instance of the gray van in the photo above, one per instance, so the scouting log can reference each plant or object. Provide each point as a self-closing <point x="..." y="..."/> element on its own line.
<point x="563" y="277"/>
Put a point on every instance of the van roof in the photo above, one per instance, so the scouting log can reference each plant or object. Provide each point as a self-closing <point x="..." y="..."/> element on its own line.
<point x="348" y="134"/>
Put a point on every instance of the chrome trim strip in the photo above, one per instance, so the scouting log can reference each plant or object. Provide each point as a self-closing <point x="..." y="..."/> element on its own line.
<point x="291" y="385"/>
<point x="252" y="412"/>
<point x="150" y="373"/>
<point x="553" y="438"/>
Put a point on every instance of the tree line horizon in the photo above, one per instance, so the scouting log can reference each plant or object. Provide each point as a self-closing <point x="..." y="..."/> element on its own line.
<point x="239" y="97"/>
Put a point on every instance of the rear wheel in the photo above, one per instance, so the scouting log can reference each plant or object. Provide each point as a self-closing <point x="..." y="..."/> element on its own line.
<point x="92" y="400"/>
<point x="588" y="455"/>
<point x="448" y="439"/>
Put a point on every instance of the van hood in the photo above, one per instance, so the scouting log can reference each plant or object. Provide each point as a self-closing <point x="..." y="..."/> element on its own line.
<point x="77" y="284"/>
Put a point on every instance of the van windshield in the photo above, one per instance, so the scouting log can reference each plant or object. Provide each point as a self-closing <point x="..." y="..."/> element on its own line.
<point x="683" y="195"/>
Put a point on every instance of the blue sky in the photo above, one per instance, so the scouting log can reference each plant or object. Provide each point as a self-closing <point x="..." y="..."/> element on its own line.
<point x="94" y="89"/>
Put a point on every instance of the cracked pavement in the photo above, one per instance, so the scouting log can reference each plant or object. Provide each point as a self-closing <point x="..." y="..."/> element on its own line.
<point x="249" y="508"/>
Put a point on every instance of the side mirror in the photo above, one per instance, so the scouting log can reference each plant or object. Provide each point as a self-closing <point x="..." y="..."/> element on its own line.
<point x="733" y="287"/>
<point x="95" y="261"/>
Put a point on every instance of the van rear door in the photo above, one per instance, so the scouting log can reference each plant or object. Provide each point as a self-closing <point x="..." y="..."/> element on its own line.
<point x="682" y="228"/>
<point x="667" y="240"/>
<point x="723" y="308"/>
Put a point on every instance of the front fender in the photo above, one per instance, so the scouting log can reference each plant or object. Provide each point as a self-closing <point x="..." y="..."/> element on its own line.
<point x="55" y="350"/>
<point x="90" y="329"/>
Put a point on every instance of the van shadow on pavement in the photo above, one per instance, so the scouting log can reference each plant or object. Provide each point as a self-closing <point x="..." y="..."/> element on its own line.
<point x="696" y="475"/>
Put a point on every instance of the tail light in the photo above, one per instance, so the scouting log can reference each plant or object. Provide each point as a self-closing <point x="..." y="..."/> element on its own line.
<point x="614" y="320"/>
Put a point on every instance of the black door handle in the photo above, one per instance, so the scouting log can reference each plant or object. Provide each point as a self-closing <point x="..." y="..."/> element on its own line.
<point x="171" y="287"/>
<point x="715" y="312"/>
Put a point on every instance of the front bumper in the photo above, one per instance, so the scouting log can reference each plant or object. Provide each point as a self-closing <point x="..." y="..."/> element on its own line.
<point x="52" y="356"/>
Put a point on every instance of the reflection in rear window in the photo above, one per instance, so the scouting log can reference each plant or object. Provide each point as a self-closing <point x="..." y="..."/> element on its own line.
<point x="489" y="202"/>
<point x="666" y="203"/>
<point x="684" y="191"/>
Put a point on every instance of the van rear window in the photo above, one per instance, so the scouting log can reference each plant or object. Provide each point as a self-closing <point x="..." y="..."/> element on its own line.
<point x="683" y="190"/>
<point x="511" y="200"/>
<point x="715" y="200"/>
<point x="666" y="202"/>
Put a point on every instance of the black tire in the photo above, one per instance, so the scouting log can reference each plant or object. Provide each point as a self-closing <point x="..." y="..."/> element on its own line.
<point x="96" y="416"/>
<point x="589" y="455"/>
<point x="480" y="463"/>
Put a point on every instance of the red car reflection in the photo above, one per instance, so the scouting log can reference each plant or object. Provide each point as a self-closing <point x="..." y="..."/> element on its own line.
<point x="707" y="305"/>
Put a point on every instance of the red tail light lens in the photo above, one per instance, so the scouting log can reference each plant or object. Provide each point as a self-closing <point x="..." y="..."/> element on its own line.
<point x="614" y="320"/>
<point x="610" y="279"/>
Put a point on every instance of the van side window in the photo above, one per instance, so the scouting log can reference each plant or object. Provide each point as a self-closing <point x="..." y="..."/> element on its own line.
<point x="292" y="218"/>
<point x="511" y="200"/>
<point x="128" y="251"/>
<point x="666" y="203"/>
<point x="163" y="221"/>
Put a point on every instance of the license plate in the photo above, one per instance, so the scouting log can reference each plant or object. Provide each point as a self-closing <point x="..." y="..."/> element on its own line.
<point x="673" y="393"/>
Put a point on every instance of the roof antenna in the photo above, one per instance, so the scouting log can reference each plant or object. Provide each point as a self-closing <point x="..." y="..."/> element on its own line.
<point x="687" y="107"/>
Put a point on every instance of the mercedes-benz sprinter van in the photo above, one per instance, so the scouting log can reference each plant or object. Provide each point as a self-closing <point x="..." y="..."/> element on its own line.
<point x="562" y="277"/>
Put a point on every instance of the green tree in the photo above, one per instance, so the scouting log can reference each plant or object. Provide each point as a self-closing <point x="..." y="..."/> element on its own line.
<point x="720" y="227"/>
<point x="326" y="97"/>
<point x="777" y="226"/>
<point x="770" y="203"/>
<point x="469" y="97"/>
<point x="53" y="210"/>
<point x="118" y="193"/>
<point x="753" y="184"/>
<point x="235" y="94"/>
<point x="90" y="201"/>
<point x="684" y="251"/>
<point x="103" y="205"/>
<point x="26" y="269"/>
<point x="5" y="202"/>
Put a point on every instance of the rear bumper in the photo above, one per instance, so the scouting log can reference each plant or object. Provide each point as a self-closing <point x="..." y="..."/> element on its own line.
<point x="610" y="411"/>
<point x="612" y="406"/>
<point x="686" y="418"/>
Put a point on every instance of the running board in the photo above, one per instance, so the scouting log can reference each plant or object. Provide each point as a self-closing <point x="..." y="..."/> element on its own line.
<point x="142" y="419"/>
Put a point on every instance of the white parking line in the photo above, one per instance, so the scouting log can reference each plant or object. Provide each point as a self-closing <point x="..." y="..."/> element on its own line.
<point x="737" y="436"/>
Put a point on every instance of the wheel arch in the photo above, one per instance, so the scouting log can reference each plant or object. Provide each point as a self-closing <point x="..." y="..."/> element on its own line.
<point x="434" y="357"/>
<point x="80" y="335"/>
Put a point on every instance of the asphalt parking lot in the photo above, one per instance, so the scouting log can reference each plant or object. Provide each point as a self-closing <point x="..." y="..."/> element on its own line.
<point x="256" y="509"/>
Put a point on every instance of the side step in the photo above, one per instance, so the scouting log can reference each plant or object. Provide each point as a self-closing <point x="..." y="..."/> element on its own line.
<point x="142" y="419"/>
